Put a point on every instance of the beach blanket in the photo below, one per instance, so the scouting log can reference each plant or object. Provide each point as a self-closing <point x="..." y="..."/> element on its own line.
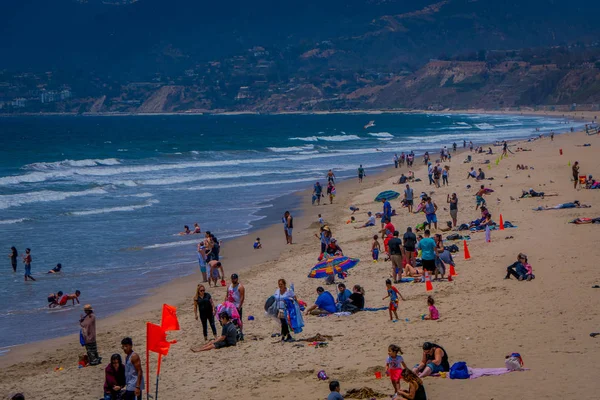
<point x="479" y="372"/>
<point x="375" y="309"/>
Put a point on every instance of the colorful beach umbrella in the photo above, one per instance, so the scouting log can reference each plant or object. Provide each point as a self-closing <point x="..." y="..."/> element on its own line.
<point x="387" y="195"/>
<point x="332" y="266"/>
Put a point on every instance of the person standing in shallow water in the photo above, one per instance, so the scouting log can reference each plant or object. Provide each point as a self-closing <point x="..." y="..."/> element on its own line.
<point x="361" y="173"/>
<point x="27" y="261"/>
<point x="13" y="258"/>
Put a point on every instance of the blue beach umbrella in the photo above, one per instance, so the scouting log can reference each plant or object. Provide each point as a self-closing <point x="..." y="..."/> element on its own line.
<point x="387" y="195"/>
<point x="332" y="266"/>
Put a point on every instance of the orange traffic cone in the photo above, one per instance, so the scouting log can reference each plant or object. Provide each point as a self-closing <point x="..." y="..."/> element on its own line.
<point x="466" y="250"/>
<point x="449" y="277"/>
<point x="452" y="271"/>
<point x="501" y="223"/>
<point x="428" y="284"/>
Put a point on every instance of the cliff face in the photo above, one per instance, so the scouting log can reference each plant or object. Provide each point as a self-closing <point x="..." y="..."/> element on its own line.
<point x="452" y="84"/>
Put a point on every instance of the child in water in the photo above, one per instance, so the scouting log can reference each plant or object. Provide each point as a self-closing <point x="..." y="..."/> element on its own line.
<point x="53" y="299"/>
<point x="394" y="365"/>
<point x="393" y="294"/>
<point x="257" y="244"/>
<point x="433" y="312"/>
<point x="375" y="248"/>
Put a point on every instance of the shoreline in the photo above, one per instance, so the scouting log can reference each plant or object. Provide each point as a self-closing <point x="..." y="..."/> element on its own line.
<point x="168" y="292"/>
<point x="464" y="318"/>
<point x="524" y="111"/>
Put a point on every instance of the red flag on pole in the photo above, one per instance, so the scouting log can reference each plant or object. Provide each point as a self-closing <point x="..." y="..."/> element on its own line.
<point x="169" y="321"/>
<point x="157" y="339"/>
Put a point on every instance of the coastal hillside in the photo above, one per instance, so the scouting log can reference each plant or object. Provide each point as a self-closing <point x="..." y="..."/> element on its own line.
<point x="286" y="56"/>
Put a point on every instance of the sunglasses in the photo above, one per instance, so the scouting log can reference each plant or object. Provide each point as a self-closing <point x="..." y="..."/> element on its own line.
<point x="202" y="290"/>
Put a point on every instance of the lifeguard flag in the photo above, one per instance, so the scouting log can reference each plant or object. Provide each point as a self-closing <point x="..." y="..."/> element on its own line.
<point x="169" y="321"/>
<point x="157" y="339"/>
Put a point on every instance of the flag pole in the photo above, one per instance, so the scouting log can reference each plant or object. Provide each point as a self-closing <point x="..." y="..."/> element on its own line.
<point x="157" y="374"/>
<point x="147" y="365"/>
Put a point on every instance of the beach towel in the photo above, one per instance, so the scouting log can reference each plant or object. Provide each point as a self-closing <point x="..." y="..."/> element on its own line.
<point x="580" y="221"/>
<point x="375" y="309"/>
<point x="294" y="315"/>
<point x="479" y="372"/>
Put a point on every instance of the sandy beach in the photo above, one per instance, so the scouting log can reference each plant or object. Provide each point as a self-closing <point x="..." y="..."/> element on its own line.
<point x="483" y="316"/>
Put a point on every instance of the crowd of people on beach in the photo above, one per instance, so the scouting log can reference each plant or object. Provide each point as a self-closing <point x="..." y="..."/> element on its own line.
<point x="416" y="255"/>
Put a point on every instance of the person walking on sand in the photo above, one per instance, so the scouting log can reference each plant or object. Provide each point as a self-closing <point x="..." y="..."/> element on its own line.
<point x="480" y="201"/>
<point x="361" y="173"/>
<point x="394" y="295"/>
<point x="409" y="198"/>
<point x="236" y="294"/>
<point x="453" y="201"/>
<point x="445" y="175"/>
<point x="202" y="260"/>
<point x="396" y="160"/>
<point x="203" y="303"/>
<point x="504" y="149"/>
<point x="134" y="375"/>
<point x="27" y="261"/>
<point x="575" y="169"/>
<point x="317" y="193"/>
<point x="395" y="246"/>
<point x="330" y="192"/>
<point x="88" y="332"/>
<point x="13" y="257"/>
<point x="387" y="212"/>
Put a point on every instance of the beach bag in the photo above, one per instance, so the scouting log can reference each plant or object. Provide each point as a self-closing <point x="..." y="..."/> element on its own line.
<point x="452" y="248"/>
<point x="454" y="236"/>
<point x="463" y="227"/>
<point x="459" y="370"/>
<point x="81" y="339"/>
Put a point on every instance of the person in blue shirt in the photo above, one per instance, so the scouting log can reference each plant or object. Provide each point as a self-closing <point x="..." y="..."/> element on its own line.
<point x="325" y="303"/>
<point x="342" y="296"/>
<point x="387" y="212"/>
<point x="427" y="247"/>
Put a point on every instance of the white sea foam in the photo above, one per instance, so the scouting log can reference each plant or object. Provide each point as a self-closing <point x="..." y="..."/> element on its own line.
<point x="148" y="203"/>
<point x="15" y="200"/>
<point x="381" y="134"/>
<point x="462" y="123"/>
<point x="333" y="138"/>
<point x="191" y="241"/>
<point x="93" y="162"/>
<point x="291" y="149"/>
<point x="172" y="180"/>
<point x="485" y="126"/>
<point x="13" y="221"/>
<point x="238" y="185"/>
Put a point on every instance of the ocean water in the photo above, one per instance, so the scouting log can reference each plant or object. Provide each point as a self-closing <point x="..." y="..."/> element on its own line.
<point x="107" y="196"/>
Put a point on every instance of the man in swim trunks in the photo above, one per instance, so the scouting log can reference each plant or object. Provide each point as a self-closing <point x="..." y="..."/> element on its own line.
<point x="575" y="169"/>
<point x="427" y="247"/>
<point x="73" y="297"/>
<point x="479" y="197"/>
<point x="330" y="177"/>
<point x="361" y="173"/>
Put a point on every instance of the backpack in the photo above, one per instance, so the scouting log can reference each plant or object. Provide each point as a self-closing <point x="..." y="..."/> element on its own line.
<point x="459" y="370"/>
<point x="454" y="236"/>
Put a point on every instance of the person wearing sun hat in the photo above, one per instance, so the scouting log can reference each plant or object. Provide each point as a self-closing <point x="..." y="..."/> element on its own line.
<point x="88" y="333"/>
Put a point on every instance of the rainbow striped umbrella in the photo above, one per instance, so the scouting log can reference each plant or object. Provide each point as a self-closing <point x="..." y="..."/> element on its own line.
<point x="332" y="266"/>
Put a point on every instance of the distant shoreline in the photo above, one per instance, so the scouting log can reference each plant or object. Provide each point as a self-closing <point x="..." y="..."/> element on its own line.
<point x="582" y="114"/>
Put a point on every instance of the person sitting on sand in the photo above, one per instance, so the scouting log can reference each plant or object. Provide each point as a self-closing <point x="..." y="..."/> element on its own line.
<point x="574" y="204"/>
<point x="517" y="269"/>
<point x="480" y="175"/>
<point x="435" y="359"/>
<point x="228" y="335"/>
<point x="356" y="301"/>
<point x="472" y="173"/>
<point x="416" y="390"/>
<point x="325" y="304"/>
<point x="522" y="167"/>
<point x="412" y="272"/>
<point x="56" y="269"/>
<point x="342" y="296"/>
<point x="434" y="314"/>
<point x="186" y="230"/>
<point x="370" y="222"/>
